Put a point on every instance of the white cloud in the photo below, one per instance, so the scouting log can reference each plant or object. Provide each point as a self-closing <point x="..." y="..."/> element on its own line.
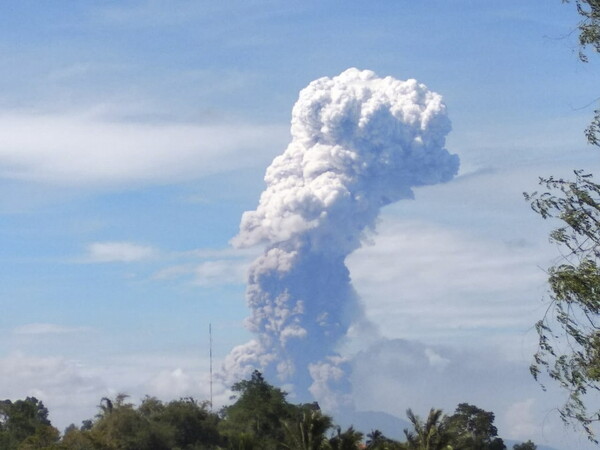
<point x="520" y="421"/>
<point x="208" y="273"/>
<point x="394" y="375"/>
<point x="102" y="252"/>
<point x="82" y="150"/>
<point x="68" y="389"/>
<point x="178" y="382"/>
<point x="220" y="266"/>
<point x="224" y="253"/>
<point x="424" y="281"/>
<point x="221" y="272"/>
<point x="40" y="329"/>
<point x="72" y="389"/>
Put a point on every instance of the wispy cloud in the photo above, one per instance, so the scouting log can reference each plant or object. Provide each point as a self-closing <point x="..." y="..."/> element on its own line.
<point x="221" y="267"/>
<point x="41" y="329"/>
<point x="200" y="267"/>
<point x="104" y="252"/>
<point x="221" y="272"/>
<point x="81" y="150"/>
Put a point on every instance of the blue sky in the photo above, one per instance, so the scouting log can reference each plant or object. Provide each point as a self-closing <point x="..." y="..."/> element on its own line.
<point x="134" y="135"/>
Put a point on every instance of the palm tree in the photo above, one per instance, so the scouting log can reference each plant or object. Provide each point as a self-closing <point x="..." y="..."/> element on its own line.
<point x="308" y="433"/>
<point x="107" y="405"/>
<point x="376" y="440"/>
<point x="348" y="440"/>
<point x="430" y="435"/>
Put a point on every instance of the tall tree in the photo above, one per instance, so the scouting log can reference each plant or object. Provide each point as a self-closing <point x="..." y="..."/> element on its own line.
<point x="525" y="446"/>
<point x="183" y="424"/>
<point x="428" y="435"/>
<point x="259" y="411"/>
<point x="25" y="420"/>
<point x="376" y="440"/>
<point x="306" y="431"/>
<point x="345" y="440"/>
<point x="569" y="333"/>
<point x="472" y="428"/>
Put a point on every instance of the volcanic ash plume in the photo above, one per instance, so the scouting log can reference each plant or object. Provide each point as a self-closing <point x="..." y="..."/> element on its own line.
<point x="359" y="143"/>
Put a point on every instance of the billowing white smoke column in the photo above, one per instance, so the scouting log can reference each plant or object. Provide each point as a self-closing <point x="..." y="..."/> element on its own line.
<point x="359" y="143"/>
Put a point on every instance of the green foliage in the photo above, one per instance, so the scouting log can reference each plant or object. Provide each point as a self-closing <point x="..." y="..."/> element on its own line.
<point x="25" y="424"/>
<point x="525" y="446"/>
<point x="376" y="440"/>
<point x="347" y="440"/>
<point x="80" y="439"/>
<point x="429" y="435"/>
<point x="259" y="419"/>
<point x="569" y="342"/>
<point x="589" y="26"/>
<point x="306" y="431"/>
<point x="194" y="424"/>
<point x="45" y="438"/>
<point x="589" y="37"/>
<point x="569" y="338"/>
<point x="259" y="411"/>
<point x="121" y="426"/>
<point x="472" y="428"/>
<point x="181" y="424"/>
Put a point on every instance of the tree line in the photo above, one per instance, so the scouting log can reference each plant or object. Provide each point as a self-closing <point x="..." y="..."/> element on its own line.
<point x="260" y="418"/>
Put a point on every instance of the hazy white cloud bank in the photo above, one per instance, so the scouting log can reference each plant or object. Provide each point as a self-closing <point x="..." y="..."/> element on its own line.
<point x="390" y="376"/>
<point x="397" y="374"/>
<point x="425" y="281"/>
<point x="456" y="314"/>
<point x="81" y="150"/>
<point x="68" y="389"/>
<point x="72" y="389"/>
<point x="520" y="419"/>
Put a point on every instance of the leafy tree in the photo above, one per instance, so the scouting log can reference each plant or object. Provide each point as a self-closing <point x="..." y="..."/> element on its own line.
<point x="121" y="427"/>
<point x="25" y="420"/>
<point x="193" y="423"/>
<point x="242" y="441"/>
<point x="472" y="428"/>
<point x="347" y="440"/>
<point x="181" y="424"/>
<point x="80" y="439"/>
<point x="569" y="334"/>
<point x="45" y="438"/>
<point x="428" y="435"/>
<point x="575" y="304"/>
<point x="306" y="431"/>
<point x="589" y="37"/>
<point x="259" y="411"/>
<point x="525" y="446"/>
<point x="376" y="440"/>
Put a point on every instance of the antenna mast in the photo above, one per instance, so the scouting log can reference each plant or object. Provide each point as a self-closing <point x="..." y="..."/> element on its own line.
<point x="211" y="369"/>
